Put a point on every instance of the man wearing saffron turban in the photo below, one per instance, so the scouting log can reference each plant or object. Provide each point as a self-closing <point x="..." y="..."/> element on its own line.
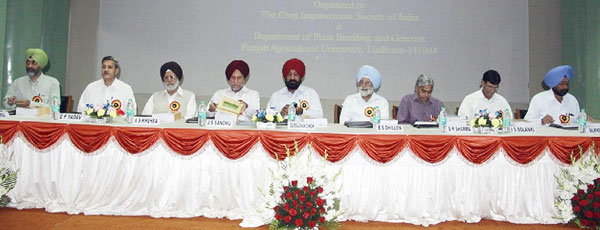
<point x="237" y="74"/>
<point x="361" y="106"/>
<point x="109" y="89"/>
<point x="36" y="88"/>
<point x="555" y="105"/>
<point x="485" y="98"/>
<point x="308" y="103"/>
<point x="173" y="98"/>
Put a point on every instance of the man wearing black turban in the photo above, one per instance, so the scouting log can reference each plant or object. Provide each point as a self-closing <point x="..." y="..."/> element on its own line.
<point x="237" y="74"/>
<point x="173" y="98"/>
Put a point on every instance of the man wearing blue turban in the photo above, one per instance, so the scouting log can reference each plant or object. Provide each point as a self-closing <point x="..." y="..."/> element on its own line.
<point x="35" y="89"/>
<point x="361" y="106"/>
<point x="555" y="105"/>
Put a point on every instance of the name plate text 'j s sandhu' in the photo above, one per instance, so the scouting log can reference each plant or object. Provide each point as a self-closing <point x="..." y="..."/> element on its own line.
<point x="389" y="126"/>
<point x="70" y="117"/>
<point x="459" y="129"/>
<point x="301" y="125"/>
<point x="146" y="120"/>
<point x="214" y="123"/>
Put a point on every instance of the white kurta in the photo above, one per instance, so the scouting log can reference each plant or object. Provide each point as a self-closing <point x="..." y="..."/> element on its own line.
<point x="355" y="107"/>
<point x="282" y="97"/>
<point x="476" y="101"/>
<point x="24" y="89"/>
<point x="249" y="96"/>
<point x="544" y="103"/>
<point x="190" y="108"/>
<point x="98" y="93"/>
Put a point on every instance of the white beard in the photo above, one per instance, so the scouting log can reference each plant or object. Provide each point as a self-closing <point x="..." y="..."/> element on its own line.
<point x="171" y="87"/>
<point x="365" y="92"/>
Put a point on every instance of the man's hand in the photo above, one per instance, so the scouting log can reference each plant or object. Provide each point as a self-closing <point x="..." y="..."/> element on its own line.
<point x="284" y="110"/>
<point x="547" y="119"/>
<point x="299" y="110"/>
<point x="245" y="106"/>
<point x="212" y="107"/>
<point x="11" y="100"/>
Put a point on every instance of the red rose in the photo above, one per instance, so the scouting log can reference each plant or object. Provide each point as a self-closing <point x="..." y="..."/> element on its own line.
<point x="322" y="219"/>
<point x="576" y="209"/>
<point x="583" y="203"/>
<point x="597" y="181"/>
<point x="297" y="193"/>
<point x="287" y="219"/>
<point x="288" y="195"/>
<point x="584" y="222"/>
<point x="302" y="198"/>
<point x="293" y="212"/>
<point x="277" y="216"/>
<point x="575" y="198"/>
<point x="285" y="188"/>
<point x="592" y="224"/>
<point x="590" y="187"/>
<point x="286" y="206"/>
<point x="580" y="192"/>
<point x="295" y="203"/>
<point x="320" y="202"/>
<point x="309" y="180"/>
<point x="597" y="193"/>
<point x="298" y="222"/>
<point x="301" y="207"/>
<point x="590" y="196"/>
<point x="309" y="204"/>
<point x="597" y="215"/>
<point x="588" y="214"/>
<point x="320" y="189"/>
<point x="313" y="211"/>
<point x="305" y="189"/>
<point x="312" y="193"/>
<point x="276" y="208"/>
<point x="312" y="224"/>
<point x="322" y="210"/>
<point x="295" y="183"/>
<point x="596" y="204"/>
<point x="283" y="196"/>
<point x="305" y="215"/>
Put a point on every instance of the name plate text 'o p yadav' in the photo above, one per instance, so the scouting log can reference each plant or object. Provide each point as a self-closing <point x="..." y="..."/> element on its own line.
<point x="70" y="117"/>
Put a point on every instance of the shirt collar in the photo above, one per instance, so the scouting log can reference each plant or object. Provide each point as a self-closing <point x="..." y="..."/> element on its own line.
<point x="483" y="96"/>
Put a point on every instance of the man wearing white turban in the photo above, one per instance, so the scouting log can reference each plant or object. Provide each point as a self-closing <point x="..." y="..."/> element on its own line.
<point x="361" y="106"/>
<point x="36" y="88"/>
<point x="555" y="105"/>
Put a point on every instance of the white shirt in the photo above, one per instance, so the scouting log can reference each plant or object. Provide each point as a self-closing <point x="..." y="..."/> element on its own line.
<point x="24" y="89"/>
<point x="191" y="106"/>
<point x="97" y="93"/>
<point x="247" y="95"/>
<point x="282" y="97"/>
<point x="476" y="101"/>
<point x="544" y="103"/>
<point x="355" y="107"/>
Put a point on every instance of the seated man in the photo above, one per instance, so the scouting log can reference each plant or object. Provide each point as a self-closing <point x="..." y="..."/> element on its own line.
<point x="109" y="89"/>
<point x="419" y="106"/>
<point x="485" y="99"/>
<point x="361" y="106"/>
<point x="237" y="74"/>
<point x="173" y="98"/>
<point x="306" y="98"/>
<point x="35" y="89"/>
<point x="555" y="105"/>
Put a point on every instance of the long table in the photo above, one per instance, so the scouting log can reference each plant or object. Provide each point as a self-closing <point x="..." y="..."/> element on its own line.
<point x="181" y="170"/>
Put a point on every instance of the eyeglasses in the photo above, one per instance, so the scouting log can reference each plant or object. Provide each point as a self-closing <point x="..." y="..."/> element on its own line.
<point x="365" y="83"/>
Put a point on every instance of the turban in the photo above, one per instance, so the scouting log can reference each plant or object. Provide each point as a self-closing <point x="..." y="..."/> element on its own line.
<point x="371" y="73"/>
<point x="555" y="75"/>
<point x="174" y="67"/>
<point x="239" y="65"/>
<point x="293" y="64"/>
<point x="38" y="55"/>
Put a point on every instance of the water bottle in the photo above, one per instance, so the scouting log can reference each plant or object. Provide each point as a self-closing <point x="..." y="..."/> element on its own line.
<point x="506" y="121"/>
<point x="442" y="120"/>
<point x="129" y="113"/>
<point x="202" y="114"/>
<point x="292" y="112"/>
<point x="55" y="108"/>
<point x="582" y="121"/>
<point x="377" y="116"/>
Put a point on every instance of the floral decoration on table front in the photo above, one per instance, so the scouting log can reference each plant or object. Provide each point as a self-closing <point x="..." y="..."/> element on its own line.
<point x="267" y="115"/>
<point x="8" y="176"/>
<point x="485" y="119"/>
<point x="103" y="110"/>
<point x="302" y="195"/>
<point x="578" y="195"/>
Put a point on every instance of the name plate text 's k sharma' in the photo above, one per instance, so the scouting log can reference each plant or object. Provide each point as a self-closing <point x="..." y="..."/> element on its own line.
<point x="70" y="117"/>
<point x="214" y="123"/>
<point x="459" y="129"/>
<point x="301" y="125"/>
<point x="146" y="120"/>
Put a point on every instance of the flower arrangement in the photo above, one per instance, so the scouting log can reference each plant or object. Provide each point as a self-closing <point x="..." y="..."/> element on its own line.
<point x="302" y="196"/>
<point x="267" y="115"/>
<point x="103" y="110"/>
<point x="8" y="176"/>
<point x="578" y="196"/>
<point x="485" y="119"/>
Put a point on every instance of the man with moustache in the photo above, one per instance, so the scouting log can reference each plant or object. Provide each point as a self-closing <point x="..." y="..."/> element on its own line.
<point x="361" y="106"/>
<point x="237" y="74"/>
<point x="173" y="98"/>
<point x="555" y="105"/>
<point x="109" y="89"/>
<point x="485" y="98"/>
<point x="308" y="103"/>
<point x="419" y="106"/>
<point x="36" y="88"/>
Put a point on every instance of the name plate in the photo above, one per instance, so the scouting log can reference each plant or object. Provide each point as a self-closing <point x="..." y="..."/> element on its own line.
<point x="459" y="129"/>
<point x="146" y="120"/>
<point x="389" y="126"/>
<point x="594" y="129"/>
<point x="70" y="117"/>
<point x="214" y="123"/>
<point x="522" y="129"/>
<point x="301" y="125"/>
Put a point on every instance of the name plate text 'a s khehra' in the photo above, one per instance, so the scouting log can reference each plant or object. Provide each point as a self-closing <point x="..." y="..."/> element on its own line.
<point x="70" y="117"/>
<point x="301" y="125"/>
<point x="214" y="123"/>
<point x="146" y="120"/>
